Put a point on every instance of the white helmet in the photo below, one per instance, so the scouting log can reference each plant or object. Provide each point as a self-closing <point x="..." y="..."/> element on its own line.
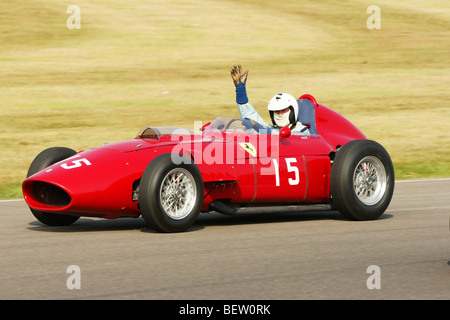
<point x="282" y="101"/>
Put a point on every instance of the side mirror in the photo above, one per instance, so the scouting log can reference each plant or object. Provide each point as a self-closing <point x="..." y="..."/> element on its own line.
<point x="285" y="132"/>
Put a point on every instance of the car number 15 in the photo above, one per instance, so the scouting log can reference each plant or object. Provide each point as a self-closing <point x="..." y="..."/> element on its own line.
<point x="290" y="168"/>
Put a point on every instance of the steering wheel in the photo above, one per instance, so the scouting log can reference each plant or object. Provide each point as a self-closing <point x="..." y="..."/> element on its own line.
<point x="229" y="123"/>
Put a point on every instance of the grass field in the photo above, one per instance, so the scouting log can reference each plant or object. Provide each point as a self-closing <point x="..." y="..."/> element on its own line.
<point x="138" y="63"/>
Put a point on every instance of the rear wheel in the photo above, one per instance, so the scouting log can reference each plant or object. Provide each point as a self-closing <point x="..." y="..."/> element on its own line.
<point x="43" y="160"/>
<point x="170" y="195"/>
<point x="362" y="180"/>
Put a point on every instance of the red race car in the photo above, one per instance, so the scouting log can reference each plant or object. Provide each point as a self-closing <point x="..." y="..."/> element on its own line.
<point x="170" y="175"/>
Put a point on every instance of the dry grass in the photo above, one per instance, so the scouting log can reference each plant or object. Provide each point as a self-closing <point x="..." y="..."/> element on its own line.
<point x="138" y="63"/>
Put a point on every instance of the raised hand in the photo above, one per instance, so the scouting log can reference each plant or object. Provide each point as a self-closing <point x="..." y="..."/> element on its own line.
<point x="238" y="75"/>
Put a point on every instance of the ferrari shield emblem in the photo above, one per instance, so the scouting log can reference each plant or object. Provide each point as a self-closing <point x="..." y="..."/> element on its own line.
<point x="248" y="147"/>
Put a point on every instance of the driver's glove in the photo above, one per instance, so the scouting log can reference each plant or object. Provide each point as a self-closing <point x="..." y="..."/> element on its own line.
<point x="240" y="79"/>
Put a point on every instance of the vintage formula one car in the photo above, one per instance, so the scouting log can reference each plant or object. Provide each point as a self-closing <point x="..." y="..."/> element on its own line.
<point x="170" y="175"/>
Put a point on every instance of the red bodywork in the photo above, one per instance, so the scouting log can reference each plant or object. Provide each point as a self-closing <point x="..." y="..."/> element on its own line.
<point x="270" y="169"/>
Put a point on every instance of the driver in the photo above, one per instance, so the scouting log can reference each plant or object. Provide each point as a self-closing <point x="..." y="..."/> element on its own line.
<point x="283" y="107"/>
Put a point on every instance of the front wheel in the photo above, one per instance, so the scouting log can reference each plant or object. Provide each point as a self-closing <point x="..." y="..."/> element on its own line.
<point x="362" y="180"/>
<point x="170" y="195"/>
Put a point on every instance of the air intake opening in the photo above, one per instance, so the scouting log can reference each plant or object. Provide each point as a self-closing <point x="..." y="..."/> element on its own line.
<point x="50" y="194"/>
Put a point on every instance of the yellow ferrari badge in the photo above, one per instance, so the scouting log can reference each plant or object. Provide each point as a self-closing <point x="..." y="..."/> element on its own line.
<point x="248" y="147"/>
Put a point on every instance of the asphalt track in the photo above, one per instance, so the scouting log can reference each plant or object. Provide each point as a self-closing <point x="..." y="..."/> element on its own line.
<point x="288" y="256"/>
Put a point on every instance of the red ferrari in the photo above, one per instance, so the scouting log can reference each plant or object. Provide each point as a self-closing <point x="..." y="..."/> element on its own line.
<point x="170" y="175"/>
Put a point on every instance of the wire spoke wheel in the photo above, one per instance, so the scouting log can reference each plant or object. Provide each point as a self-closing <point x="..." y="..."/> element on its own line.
<point x="178" y="193"/>
<point x="369" y="180"/>
<point x="171" y="194"/>
<point x="362" y="180"/>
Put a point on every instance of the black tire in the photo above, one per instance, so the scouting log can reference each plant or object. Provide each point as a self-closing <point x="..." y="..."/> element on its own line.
<point x="43" y="160"/>
<point x="156" y="180"/>
<point x="362" y="180"/>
